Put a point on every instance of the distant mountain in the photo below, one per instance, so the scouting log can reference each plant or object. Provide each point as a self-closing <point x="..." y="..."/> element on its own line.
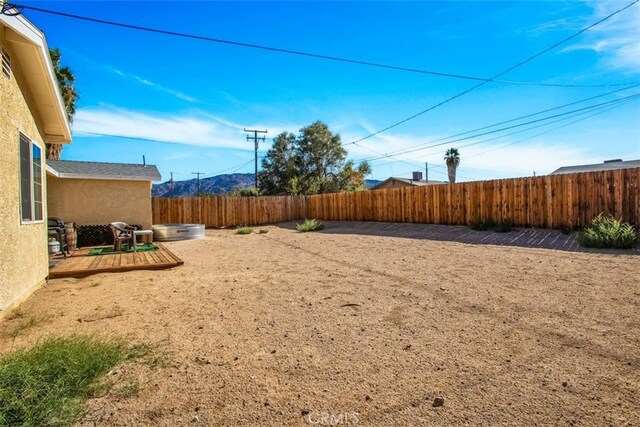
<point x="219" y="184"/>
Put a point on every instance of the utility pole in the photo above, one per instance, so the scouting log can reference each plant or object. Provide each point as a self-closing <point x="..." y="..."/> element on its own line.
<point x="171" y="183"/>
<point x="426" y="172"/>
<point x="255" y="139"/>
<point x="198" y="184"/>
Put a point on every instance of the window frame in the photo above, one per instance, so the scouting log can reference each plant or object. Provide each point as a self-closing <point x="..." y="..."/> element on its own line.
<point x="32" y="199"/>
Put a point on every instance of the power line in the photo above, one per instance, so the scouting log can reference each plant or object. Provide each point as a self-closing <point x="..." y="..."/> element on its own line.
<point x="255" y="139"/>
<point x="513" y="67"/>
<point x="590" y="107"/>
<point x="296" y="52"/>
<point x="600" y="110"/>
<point x="235" y="169"/>
<point x="510" y="120"/>
<point x="387" y="155"/>
<point x="604" y="110"/>
<point x="198" y="180"/>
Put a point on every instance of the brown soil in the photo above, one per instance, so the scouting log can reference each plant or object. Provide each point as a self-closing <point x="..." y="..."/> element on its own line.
<point x="287" y="328"/>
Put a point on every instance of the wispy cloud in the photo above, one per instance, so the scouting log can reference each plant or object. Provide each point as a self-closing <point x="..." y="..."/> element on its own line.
<point x="178" y="94"/>
<point x="617" y="41"/>
<point x="191" y="128"/>
<point x="186" y="128"/>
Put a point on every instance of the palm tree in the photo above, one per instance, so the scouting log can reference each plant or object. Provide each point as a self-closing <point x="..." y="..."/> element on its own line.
<point x="66" y="79"/>
<point x="452" y="158"/>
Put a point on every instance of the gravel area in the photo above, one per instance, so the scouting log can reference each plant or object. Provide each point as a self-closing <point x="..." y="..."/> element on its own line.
<point x="357" y="327"/>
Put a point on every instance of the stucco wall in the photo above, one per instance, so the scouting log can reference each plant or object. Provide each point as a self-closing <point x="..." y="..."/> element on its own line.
<point x="23" y="247"/>
<point x="96" y="201"/>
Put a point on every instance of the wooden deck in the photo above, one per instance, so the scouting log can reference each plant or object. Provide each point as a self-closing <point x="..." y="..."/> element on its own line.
<point x="80" y="264"/>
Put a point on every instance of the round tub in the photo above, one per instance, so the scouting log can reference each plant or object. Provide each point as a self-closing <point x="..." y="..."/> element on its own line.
<point x="167" y="232"/>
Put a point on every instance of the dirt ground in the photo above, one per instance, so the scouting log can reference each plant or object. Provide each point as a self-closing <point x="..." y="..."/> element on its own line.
<point x="343" y="327"/>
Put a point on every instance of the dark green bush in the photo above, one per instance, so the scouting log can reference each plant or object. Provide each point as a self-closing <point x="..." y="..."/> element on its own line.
<point x="245" y="192"/>
<point x="607" y="232"/>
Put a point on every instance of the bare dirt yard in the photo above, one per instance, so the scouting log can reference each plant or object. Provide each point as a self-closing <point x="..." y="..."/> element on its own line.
<point x="348" y="327"/>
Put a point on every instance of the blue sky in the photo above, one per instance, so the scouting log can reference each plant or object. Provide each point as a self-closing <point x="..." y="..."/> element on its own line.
<point x="197" y="96"/>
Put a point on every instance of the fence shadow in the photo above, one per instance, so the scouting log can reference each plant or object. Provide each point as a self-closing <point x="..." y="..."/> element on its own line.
<point x="535" y="238"/>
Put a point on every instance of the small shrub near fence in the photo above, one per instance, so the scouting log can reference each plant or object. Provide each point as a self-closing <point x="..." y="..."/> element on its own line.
<point x="607" y="232"/>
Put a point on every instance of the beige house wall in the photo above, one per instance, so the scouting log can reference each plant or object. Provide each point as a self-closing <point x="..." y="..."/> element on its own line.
<point x="23" y="247"/>
<point x="99" y="201"/>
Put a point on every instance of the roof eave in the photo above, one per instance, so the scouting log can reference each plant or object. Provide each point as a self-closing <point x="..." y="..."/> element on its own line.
<point x="101" y="177"/>
<point x="31" y="48"/>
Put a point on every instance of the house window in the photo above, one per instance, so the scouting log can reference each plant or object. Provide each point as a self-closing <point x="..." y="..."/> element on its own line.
<point x="30" y="180"/>
<point x="6" y="63"/>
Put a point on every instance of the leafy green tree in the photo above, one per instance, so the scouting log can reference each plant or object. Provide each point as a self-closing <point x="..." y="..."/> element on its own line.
<point x="66" y="81"/>
<point x="452" y="159"/>
<point x="278" y="166"/>
<point x="244" y="192"/>
<point x="312" y="162"/>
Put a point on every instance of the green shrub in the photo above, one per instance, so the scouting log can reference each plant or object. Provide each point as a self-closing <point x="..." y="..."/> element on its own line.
<point x="607" y="232"/>
<point x="244" y="229"/>
<point x="47" y="384"/>
<point x="263" y="231"/>
<point x="310" y="225"/>
<point x="245" y="192"/>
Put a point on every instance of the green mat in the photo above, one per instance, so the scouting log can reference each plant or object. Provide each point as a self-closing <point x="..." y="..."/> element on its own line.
<point x="106" y="250"/>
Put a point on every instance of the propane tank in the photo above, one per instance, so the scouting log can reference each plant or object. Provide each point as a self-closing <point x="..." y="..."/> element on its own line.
<point x="54" y="246"/>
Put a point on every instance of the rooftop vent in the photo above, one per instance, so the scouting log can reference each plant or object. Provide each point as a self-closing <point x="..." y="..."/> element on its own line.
<point x="613" y="160"/>
<point x="6" y="63"/>
<point x="417" y="176"/>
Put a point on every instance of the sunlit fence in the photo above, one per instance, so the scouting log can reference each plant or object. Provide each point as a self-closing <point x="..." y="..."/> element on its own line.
<point x="553" y="201"/>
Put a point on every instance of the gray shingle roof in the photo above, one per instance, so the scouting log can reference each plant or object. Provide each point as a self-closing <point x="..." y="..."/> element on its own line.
<point x="597" y="167"/>
<point x="407" y="181"/>
<point x="98" y="170"/>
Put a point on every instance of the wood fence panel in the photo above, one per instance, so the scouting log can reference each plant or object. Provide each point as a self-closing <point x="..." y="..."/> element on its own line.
<point x="555" y="201"/>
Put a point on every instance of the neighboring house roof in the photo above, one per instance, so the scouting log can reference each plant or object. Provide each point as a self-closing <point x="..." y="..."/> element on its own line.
<point x="406" y="181"/>
<point x="97" y="170"/>
<point x="607" y="165"/>
<point x="30" y="50"/>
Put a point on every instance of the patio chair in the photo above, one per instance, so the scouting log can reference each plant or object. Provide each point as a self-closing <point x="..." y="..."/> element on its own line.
<point x="55" y="227"/>
<point x="122" y="233"/>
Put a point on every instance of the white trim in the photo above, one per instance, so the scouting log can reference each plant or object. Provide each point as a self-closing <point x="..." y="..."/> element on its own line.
<point x="98" y="177"/>
<point x="31" y="181"/>
<point x="52" y="171"/>
<point x="33" y="36"/>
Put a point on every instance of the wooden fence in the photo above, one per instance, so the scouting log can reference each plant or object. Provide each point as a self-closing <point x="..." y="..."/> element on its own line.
<point x="553" y="201"/>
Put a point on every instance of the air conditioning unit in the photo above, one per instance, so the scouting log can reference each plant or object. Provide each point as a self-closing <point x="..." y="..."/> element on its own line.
<point x="417" y="176"/>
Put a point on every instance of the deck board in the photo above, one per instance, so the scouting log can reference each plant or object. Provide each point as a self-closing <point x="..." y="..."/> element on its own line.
<point x="80" y="264"/>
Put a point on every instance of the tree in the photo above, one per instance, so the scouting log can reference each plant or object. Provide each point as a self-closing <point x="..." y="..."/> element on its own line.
<point x="244" y="192"/>
<point x="312" y="162"/>
<point x="66" y="81"/>
<point x="452" y="158"/>
<point x="278" y="166"/>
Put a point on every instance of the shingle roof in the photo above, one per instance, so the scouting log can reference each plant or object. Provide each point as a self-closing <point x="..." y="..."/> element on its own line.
<point x="98" y="170"/>
<point x="407" y="181"/>
<point x="613" y="165"/>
